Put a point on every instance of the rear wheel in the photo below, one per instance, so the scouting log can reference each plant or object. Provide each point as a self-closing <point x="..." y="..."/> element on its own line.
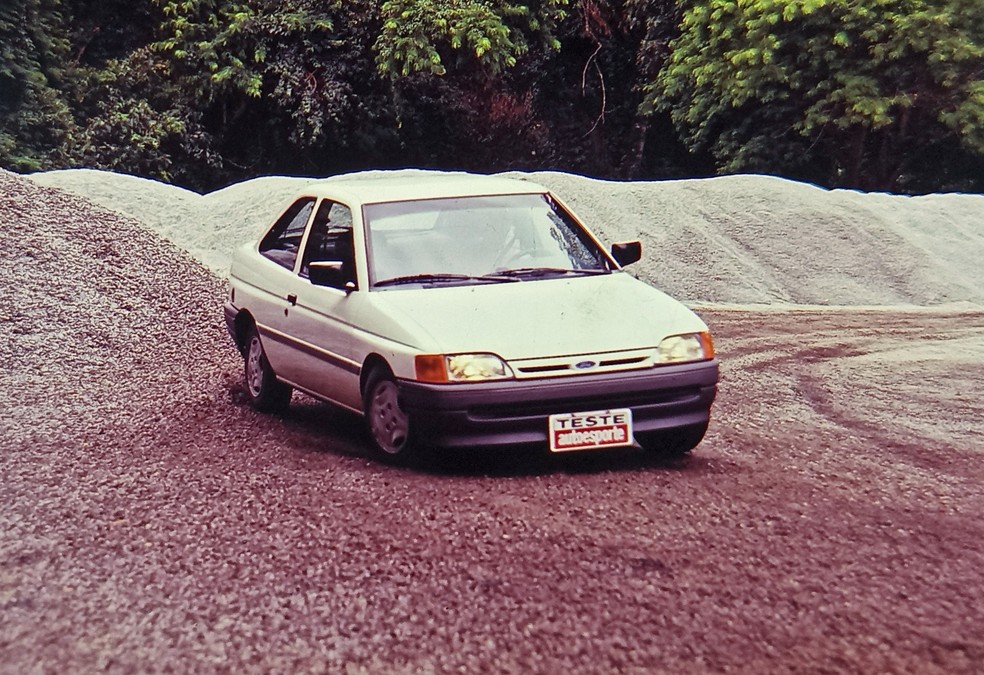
<point x="676" y="443"/>
<point x="390" y="428"/>
<point x="266" y="393"/>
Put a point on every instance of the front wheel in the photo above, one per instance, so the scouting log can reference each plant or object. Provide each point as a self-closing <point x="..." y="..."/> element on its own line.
<point x="266" y="393"/>
<point x="676" y="443"/>
<point x="389" y="427"/>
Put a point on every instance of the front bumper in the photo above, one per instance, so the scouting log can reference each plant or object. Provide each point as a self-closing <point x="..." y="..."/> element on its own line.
<point x="515" y="412"/>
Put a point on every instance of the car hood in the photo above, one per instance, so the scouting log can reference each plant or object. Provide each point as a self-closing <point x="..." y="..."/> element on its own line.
<point x="540" y="318"/>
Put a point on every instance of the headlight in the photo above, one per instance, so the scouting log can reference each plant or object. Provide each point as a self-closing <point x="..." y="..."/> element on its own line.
<point x="684" y="348"/>
<point x="460" y="368"/>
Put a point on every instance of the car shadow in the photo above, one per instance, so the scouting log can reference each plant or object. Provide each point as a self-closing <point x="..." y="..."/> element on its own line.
<point x="499" y="463"/>
<point x="323" y="428"/>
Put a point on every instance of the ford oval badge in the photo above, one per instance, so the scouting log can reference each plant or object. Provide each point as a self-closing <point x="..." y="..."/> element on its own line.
<point x="584" y="365"/>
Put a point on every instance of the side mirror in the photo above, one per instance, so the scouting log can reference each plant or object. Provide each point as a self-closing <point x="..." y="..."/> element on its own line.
<point x="627" y="252"/>
<point x="330" y="273"/>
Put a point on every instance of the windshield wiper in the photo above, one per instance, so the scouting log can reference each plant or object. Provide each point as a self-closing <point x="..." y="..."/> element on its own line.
<point x="439" y="278"/>
<point x="537" y="272"/>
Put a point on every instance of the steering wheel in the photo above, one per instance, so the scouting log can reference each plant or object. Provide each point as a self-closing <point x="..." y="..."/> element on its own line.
<point x="511" y="254"/>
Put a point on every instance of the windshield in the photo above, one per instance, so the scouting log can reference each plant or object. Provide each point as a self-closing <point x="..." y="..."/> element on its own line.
<point x="477" y="240"/>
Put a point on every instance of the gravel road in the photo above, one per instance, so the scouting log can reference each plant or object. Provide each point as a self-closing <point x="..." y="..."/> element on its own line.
<point x="150" y="521"/>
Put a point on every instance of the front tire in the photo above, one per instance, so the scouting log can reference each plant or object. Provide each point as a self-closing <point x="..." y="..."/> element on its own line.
<point x="390" y="427"/>
<point x="676" y="443"/>
<point x="265" y="392"/>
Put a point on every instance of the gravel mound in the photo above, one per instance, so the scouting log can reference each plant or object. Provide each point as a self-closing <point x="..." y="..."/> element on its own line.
<point x="760" y="239"/>
<point x="730" y="240"/>
<point x="209" y="227"/>
<point x="98" y="314"/>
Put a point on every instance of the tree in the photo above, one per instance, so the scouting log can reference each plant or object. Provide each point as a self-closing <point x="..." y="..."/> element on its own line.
<point x="455" y="73"/>
<point x="34" y="115"/>
<point x="106" y="30"/>
<point x="859" y="94"/>
<point x="649" y="27"/>
<point x="425" y="35"/>
<point x="134" y="119"/>
<point x="230" y="88"/>
<point x="567" y="98"/>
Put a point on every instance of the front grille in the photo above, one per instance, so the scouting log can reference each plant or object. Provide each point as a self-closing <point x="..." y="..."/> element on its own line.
<point x="564" y="367"/>
<point x="582" y="364"/>
<point x="544" y="369"/>
<point x="623" y="362"/>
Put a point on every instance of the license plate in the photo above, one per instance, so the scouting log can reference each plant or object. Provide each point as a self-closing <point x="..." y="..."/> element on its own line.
<point x="590" y="430"/>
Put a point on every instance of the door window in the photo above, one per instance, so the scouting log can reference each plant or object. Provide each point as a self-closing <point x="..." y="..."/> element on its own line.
<point x="283" y="241"/>
<point x="331" y="240"/>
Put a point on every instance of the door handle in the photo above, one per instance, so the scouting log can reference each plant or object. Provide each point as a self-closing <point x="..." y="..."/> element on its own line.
<point x="292" y="299"/>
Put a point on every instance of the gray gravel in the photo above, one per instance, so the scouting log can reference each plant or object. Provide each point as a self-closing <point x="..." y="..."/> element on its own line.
<point x="151" y="522"/>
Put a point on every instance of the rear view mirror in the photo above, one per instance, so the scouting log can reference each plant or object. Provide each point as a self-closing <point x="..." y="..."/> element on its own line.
<point x="627" y="252"/>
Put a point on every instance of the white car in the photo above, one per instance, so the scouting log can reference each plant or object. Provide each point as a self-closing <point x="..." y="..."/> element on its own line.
<point x="460" y="311"/>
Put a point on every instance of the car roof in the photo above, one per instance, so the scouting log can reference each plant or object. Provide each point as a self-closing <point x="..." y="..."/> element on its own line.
<point x="408" y="185"/>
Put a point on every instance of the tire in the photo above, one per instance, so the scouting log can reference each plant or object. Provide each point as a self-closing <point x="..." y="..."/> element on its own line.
<point x="390" y="429"/>
<point x="676" y="443"/>
<point x="265" y="392"/>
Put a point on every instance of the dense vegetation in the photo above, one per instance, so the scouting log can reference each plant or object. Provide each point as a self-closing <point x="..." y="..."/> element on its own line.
<point x="878" y="94"/>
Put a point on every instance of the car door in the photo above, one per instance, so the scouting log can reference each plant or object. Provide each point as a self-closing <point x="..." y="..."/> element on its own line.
<point x="320" y="315"/>
<point x="271" y="286"/>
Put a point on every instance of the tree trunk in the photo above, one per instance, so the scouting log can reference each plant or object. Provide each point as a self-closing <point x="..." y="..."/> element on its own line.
<point x="856" y="158"/>
<point x="631" y="165"/>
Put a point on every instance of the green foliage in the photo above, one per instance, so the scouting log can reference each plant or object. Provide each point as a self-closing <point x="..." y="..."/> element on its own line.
<point x="234" y="43"/>
<point x="137" y="121"/>
<point x="234" y="87"/>
<point x="130" y="135"/>
<point x="843" y="92"/>
<point x="34" y="115"/>
<point x="867" y="93"/>
<point x="471" y="104"/>
<point x="422" y="36"/>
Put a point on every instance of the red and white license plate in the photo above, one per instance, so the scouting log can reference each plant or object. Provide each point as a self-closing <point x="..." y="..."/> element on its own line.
<point x="590" y="430"/>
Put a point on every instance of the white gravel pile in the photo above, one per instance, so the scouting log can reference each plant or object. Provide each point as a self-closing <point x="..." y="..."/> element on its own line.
<point x="760" y="239"/>
<point x="209" y="227"/>
<point x="730" y="240"/>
